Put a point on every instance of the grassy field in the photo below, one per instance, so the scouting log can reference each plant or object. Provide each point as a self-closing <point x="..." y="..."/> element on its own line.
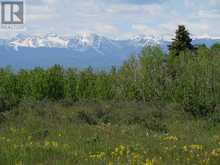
<point x="107" y="134"/>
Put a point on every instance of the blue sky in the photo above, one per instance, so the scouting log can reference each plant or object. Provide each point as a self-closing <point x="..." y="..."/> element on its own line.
<point x="122" y="18"/>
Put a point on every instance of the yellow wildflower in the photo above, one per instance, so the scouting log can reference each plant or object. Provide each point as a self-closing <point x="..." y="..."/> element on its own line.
<point x="171" y="138"/>
<point x="196" y="147"/>
<point x="149" y="162"/>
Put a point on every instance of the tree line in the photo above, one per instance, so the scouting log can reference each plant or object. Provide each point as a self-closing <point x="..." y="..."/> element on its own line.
<point x="188" y="75"/>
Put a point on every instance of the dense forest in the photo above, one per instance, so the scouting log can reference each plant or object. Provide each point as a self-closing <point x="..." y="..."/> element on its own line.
<point x="188" y="75"/>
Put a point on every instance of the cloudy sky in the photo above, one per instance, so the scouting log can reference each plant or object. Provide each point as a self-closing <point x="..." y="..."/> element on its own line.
<point x="122" y="18"/>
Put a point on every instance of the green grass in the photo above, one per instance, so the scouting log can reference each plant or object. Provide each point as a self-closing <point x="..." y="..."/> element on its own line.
<point x="107" y="133"/>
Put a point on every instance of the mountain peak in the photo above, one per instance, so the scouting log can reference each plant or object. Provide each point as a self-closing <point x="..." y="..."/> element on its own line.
<point x="85" y="34"/>
<point x="84" y="41"/>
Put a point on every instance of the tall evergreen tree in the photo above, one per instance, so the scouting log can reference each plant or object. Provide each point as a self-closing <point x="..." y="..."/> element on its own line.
<point x="181" y="42"/>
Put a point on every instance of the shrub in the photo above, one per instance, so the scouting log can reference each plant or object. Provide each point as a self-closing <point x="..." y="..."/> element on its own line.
<point x="197" y="106"/>
<point x="87" y="118"/>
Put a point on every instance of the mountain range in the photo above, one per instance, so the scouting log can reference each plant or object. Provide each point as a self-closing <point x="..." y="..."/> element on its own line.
<point x="81" y="50"/>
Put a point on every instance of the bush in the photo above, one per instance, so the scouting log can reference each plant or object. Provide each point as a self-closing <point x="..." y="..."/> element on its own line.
<point x="87" y="118"/>
<point x="151" y="118"/>
<point x="198" y="107"/>
<point x="7" y="103"/>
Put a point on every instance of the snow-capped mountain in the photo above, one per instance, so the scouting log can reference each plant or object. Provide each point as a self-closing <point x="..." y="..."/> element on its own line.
<point x="84" y="41"/>
<point x="143" y="40"/>
<point x="49" y="40"/>
<point x="79" y="50"/>
<point x="80" y="41"/>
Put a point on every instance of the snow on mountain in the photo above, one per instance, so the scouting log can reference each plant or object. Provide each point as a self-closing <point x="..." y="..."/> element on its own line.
<point x="144" y="40"/>
<point x="85" y="41"/>
<point x="80" y="50"/>
<point x="80" y="41"/>
<point x="49" y="40"/>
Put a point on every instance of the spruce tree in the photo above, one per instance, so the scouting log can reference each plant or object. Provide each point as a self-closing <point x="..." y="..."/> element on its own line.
<point x="181" y="42"/>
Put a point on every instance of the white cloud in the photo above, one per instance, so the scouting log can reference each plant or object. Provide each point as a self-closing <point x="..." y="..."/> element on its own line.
<point x="122" y="19"/>
<point x="152" y="9"/>
<point x="107" y="29"/>
<point x="209" y="14"/>
<point x="143" y="29"/>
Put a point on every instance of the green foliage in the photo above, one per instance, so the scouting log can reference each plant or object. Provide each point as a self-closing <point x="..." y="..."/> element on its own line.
<point x="216" y="50"/>
<point x="181" y="42"/>
<point x="104" y="86"/>
<point x="55" y="82"/>
<point x="38" y="84"/>
<point x="190" y="80"/>
<point x="86" y="85"/>
<point x="152" y="74"/>
<point x="70" y="84"/>
<point x="129" y="79"/>
<point x="194" y="85"/>
<point x="215" y="47"/>
<point x="8" y="90"/>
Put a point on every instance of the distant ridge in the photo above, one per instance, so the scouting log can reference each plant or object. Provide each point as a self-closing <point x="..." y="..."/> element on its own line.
<point x="80" y="50"/>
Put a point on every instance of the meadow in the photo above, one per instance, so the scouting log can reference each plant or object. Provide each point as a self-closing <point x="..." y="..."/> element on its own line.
<point x="107" y="133"/>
